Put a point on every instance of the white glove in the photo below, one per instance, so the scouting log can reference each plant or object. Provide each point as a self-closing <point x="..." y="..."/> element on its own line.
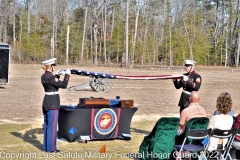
<point x="59" y="72"/>
<point x="68" y="71"/>
<point x="185" y="78"/>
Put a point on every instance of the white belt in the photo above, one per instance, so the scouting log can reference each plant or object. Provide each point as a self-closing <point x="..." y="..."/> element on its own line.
<point x="184" y="91"/>
<point x="51" y="93"/>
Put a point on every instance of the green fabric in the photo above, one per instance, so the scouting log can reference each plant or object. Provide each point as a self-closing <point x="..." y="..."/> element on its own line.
<point x="197" y="123"/>
<point x="160" y="141"/>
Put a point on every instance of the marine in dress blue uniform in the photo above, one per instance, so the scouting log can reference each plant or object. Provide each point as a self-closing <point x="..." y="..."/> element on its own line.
<point x="51" y="103"/>
<point x="191" y="81"/>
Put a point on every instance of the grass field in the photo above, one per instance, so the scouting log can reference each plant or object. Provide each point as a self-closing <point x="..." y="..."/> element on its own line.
<point x="24" y="141"/>
<point x="21" y="116"/>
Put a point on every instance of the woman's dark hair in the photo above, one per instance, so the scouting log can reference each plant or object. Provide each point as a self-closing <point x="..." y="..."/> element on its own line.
<point x="224" y="103"/>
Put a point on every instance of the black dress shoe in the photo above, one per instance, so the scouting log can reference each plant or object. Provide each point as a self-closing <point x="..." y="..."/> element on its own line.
<point x="56" y="151"/>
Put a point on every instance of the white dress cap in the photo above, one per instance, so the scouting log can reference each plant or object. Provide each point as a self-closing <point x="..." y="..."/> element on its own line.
<point x="50" y="62"/>
<point x="190" y="62"/>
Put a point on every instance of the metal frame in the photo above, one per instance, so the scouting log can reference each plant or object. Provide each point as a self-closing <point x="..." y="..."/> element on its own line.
<point x="6" y="46"/>
<point x="229" y="145"/>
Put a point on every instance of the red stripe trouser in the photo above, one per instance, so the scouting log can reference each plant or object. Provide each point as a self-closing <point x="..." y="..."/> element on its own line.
<point x="50" y="130"/>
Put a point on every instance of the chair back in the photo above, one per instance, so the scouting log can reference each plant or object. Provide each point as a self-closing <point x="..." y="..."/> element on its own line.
<point x="198" y="134"/>
<point x="225" y="134"/>
<point x="218" y="133"/>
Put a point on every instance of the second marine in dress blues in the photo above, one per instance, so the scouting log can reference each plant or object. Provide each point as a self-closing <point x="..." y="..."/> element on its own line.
<point x="191" y="81"/>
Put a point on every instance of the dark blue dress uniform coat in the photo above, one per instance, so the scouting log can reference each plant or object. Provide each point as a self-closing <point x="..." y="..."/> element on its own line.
<point x="50" y="85"/>
<point x="192" y="84"/>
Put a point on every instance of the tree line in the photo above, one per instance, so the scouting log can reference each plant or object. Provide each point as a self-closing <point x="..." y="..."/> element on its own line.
<point x="125" y="32"/>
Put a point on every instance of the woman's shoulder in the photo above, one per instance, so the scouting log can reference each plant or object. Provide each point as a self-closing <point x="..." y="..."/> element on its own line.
<point x="216" y="116"/>
<point x="222" y="116"/>
<point x="46" y="77"/>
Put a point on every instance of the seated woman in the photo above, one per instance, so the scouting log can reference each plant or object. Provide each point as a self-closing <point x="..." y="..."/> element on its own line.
<point x="223" y="121"/>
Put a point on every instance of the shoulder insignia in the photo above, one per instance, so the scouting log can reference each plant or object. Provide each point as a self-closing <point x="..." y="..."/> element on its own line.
<point x="198" y="80"/>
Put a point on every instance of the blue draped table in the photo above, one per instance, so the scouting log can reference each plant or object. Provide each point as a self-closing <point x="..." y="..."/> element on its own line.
<point x="79" y="118"/>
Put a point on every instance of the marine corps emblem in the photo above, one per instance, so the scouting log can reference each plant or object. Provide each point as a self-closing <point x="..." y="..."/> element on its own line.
<point x="105" y="121"/>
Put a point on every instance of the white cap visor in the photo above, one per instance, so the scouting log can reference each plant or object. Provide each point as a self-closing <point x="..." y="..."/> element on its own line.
<point x="189" y="62"/>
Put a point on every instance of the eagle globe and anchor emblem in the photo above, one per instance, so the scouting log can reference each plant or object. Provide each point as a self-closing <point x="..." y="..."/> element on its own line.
<point x="105" y="121"/>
